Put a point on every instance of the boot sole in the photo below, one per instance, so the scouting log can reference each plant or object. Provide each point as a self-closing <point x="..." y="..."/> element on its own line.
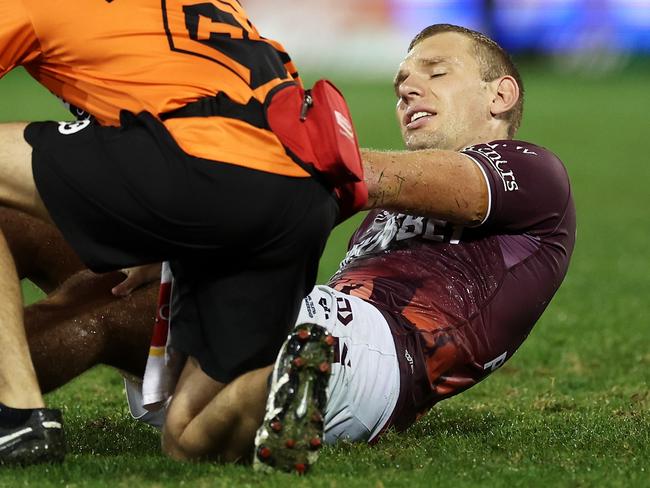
<point x="291" y="434"/>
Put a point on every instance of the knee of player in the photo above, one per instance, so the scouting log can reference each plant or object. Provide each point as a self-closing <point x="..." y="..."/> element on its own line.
<point x="188" y="447"/>
<point x="171" y="447"/>
<point x="176" y="441"/>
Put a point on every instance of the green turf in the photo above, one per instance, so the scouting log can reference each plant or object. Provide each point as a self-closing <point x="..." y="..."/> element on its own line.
<point x="572" y="408"/>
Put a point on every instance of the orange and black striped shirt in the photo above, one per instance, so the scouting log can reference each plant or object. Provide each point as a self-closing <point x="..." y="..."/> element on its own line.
<point x="103" y="56"/>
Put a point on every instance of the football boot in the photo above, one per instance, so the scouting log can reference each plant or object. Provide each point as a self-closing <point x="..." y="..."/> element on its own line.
<point x="291" y="434"/>
<point x="37" y="440"/>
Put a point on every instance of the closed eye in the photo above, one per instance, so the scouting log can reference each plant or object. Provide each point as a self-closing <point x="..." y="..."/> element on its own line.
<point x="437" y="75"/>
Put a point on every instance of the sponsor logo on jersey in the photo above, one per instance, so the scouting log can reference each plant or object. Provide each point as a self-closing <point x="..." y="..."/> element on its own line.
<point x="391" y="227"/>
<point x="501" y="165"/>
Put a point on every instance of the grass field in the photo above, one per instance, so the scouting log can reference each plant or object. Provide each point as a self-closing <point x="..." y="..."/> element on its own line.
<point x="572" y="408"/>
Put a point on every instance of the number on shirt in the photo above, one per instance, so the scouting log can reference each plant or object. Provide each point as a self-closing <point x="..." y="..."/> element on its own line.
<point x="219" y="31"/>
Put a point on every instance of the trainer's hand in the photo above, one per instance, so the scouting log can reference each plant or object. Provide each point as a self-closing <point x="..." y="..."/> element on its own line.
<point x="137" y="277"/>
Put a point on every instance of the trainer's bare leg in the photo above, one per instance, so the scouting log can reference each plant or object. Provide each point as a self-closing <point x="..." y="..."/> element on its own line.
<point x="18" y="382"/>
<point x="80" y="324"/>
<point x="209" y="420"/>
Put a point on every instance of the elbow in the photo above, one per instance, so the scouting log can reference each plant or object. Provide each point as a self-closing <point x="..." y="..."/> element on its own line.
<point x="477" y="216"/>
<point x="474" y="215"/>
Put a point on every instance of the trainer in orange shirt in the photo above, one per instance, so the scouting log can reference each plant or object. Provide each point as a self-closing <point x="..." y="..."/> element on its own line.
<point x="171" y="158"/>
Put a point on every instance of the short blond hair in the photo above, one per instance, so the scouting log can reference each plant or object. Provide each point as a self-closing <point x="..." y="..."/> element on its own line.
<point x="493" y="62"/>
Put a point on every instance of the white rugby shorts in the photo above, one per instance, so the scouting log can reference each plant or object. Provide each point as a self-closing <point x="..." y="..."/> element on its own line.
<point x="365" y="381"/>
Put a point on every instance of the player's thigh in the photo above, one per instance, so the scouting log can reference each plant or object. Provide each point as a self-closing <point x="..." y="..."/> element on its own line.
<point x="38" y="248"/>
<point x="17" y="187"/>
<point x="76" y="312"/>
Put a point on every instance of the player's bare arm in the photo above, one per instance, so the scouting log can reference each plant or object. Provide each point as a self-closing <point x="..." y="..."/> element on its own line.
<point x="170" y="193"/>
<point x="439" y="183"/>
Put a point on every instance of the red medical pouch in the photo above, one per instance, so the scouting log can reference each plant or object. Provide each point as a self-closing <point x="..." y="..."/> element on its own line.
<point x="316" y="128"/>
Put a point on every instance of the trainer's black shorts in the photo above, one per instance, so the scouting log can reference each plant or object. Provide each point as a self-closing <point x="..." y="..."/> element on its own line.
<point x="244" y="244"/>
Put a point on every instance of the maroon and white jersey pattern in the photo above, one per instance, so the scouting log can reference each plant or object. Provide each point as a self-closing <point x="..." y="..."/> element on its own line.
<point x="460" y="301"/>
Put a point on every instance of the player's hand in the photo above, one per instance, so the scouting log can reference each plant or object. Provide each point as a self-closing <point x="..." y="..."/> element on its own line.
<point x="137" y="277"/>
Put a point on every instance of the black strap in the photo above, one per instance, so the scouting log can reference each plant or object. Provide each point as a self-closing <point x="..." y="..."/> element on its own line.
<point x="253" y="113"/>
<point x="221" y="105"/>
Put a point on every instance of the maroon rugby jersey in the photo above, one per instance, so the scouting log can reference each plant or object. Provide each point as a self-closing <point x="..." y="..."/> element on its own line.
<point x="460" y="301"/>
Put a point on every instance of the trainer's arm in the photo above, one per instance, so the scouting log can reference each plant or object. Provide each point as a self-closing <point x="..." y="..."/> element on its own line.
<point x="442" y="184"/>
<point x="136" y="277"/>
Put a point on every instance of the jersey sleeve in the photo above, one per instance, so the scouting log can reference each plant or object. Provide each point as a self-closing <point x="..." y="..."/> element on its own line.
<point x="528" y="185"/>
<point x="18" y="42"/>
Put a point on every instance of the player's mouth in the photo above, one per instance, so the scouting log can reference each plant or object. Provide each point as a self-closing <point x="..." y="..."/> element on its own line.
<point x="416" y="117"/>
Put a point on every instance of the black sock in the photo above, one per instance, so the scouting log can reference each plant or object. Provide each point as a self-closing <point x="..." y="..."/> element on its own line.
<point x="13" y="417"/>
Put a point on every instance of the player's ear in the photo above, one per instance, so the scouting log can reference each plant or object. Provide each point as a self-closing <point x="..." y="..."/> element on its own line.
<point x="505" y="95"/>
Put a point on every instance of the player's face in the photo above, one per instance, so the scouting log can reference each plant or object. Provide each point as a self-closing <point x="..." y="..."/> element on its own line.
<point x="442" y="101"/>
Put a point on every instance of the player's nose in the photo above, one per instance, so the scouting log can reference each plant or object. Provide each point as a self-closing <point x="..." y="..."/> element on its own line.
<point x="410" y="88"/>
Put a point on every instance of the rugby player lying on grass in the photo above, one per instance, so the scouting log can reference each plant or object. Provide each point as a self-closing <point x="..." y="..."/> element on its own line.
<point x="426" y="303"/>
